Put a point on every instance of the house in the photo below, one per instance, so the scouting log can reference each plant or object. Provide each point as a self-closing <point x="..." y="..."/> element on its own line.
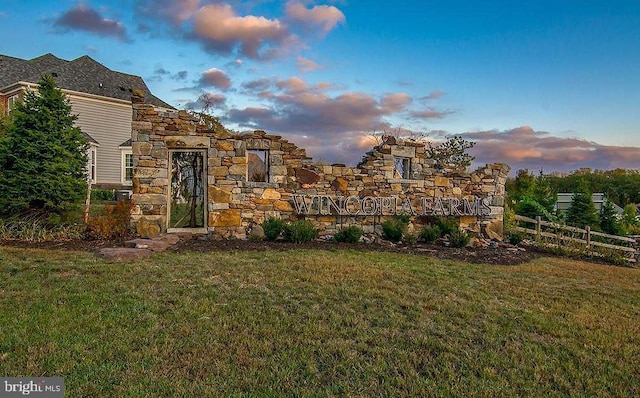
<point x="563" y="202"/>
<point x="99" y="96"/>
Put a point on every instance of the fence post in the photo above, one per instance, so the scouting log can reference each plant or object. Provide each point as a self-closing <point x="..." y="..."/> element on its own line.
<point x="588" y="229"/>
<point x="538" y="228"/>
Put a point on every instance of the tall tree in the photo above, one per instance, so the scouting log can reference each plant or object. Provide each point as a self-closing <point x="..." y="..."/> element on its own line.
<point x="609" y="222"/>
<point x="43" y="156"/>
<point x="582" y="212"/>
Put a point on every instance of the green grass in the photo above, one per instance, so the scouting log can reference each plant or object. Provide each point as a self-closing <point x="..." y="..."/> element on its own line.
<point x="314" y="323"/>
<point x="180" y="215"/>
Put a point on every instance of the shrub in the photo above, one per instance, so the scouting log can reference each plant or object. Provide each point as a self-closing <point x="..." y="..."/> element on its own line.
<point x="350" y="234"/>
<point x="515" y="237"/>
<point x="300" y="231"/>
<point x="102" y="194"/>
<point x="114" y="224"/>
<point x="447" y="225"/>
<point x="430" y="233"/>
<point x="411" y="238"/>
<point x="273" y="227"/>
<point x="459" y="238"/>
<point x="393" y="229"/>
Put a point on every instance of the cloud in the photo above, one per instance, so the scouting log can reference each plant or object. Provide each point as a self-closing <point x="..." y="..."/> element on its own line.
<point x="85" y="18"/>
<point x="326" y="17"/>
<point x="525" y="148"/>
<point x="214" y="78"/>
<point x="430" y="113"/>
<point x="434" y="95"/>
<point x="180" y="75"/>
<point x="307" y="65"/>
<point x="396" y="102"/>
<point x="220" y="30"/>
<point x="173" y="11"/>
<point x="257" y="86"/>
<point x="331" y="127"/>
<point x="161" y="71"/>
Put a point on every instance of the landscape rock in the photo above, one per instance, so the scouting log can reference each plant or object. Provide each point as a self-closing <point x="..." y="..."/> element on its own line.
<point x="123" y="253"/>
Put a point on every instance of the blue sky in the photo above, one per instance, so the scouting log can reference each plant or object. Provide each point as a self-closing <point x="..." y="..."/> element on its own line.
<point x="536" y="84"/>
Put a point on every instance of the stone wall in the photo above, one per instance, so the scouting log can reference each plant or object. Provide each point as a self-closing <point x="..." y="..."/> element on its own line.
<point x="234" y="203"/>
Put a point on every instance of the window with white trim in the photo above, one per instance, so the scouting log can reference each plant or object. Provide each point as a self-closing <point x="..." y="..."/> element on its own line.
<point x="127" y="167"/>
<point x="92" y="164"/>
<point x="11" y="102"/>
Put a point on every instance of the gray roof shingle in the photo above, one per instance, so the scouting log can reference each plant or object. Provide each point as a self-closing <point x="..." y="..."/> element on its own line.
<point x="83" y="74"/>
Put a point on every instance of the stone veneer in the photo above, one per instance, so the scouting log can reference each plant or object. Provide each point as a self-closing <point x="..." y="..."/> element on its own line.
<point x="234" y="203"/>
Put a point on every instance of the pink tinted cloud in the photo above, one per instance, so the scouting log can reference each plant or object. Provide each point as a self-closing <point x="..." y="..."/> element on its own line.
<point x="85" y="18"/>
<point x="324" y="16"/>
<point x="172" y="11"/>
<point x="525" y="148"/>
<point x="220" y="29"/>
<point x="307" y="65"/>
<point x="396" y="102"/>
<point x="214" y="77"/>
<point x="333" y="124"/>
<point x="436" y="94"/>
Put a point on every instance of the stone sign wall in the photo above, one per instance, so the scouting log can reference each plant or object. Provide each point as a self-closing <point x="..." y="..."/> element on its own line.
<point x="394" y="177"/>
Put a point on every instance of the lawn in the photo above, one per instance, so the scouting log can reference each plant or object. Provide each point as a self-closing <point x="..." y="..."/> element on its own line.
<point x="318" y="323"/>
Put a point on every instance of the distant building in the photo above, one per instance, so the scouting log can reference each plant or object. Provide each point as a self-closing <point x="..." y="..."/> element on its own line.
<point x="563" y="202"/>
<point x="99" y="96"/>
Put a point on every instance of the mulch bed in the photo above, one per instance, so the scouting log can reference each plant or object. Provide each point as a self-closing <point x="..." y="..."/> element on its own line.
<point x="498" y="254"/>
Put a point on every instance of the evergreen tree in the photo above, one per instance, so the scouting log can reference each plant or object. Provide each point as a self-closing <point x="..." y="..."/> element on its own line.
<point x="609" y="222"/>
<point x="582" y="211"/>
<point x="531" y="196"/>
<point x="42" y="155"/>
<point x="451" y="154"/>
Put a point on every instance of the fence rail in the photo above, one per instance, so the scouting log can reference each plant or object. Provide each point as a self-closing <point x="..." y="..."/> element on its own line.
<point x="591" y="242"/>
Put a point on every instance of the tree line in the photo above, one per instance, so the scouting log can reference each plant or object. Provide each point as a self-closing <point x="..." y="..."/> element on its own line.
<point x="535" y="195"/>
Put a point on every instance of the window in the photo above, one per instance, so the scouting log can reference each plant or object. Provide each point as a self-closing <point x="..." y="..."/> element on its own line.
<point x="92" y="170"/>
<point x="11" y="102"/>
<point x="127" y="166"/>
<point x="258" y="165"/>
<point x="402" y="167"/>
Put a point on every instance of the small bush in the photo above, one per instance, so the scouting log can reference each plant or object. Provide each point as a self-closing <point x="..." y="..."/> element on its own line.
<point x="411" y="238"/>
<point x="102" y="195"/>
<point x="515" y="237"/>
<point x="430" y="233"/>
<point x="114" y="224"/>
<point x="459" y="238"/>
<point x="447" y="225"/>
<point x="273" y="227"/>
<point x="255" y="238"/>
<point x="350" y="234"/>
<point x="393" y="229"/>
<point x="300" y="231"/>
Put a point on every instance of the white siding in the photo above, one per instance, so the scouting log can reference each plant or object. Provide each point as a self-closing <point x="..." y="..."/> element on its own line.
<point x="108" y="123"/>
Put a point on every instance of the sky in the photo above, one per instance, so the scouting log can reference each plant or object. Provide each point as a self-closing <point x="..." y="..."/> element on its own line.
<point x="541" y="85"/>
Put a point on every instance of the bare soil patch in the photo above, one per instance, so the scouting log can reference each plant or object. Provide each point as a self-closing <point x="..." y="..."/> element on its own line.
<point x="502" y="254"/>
<point x="498" y="253"/>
